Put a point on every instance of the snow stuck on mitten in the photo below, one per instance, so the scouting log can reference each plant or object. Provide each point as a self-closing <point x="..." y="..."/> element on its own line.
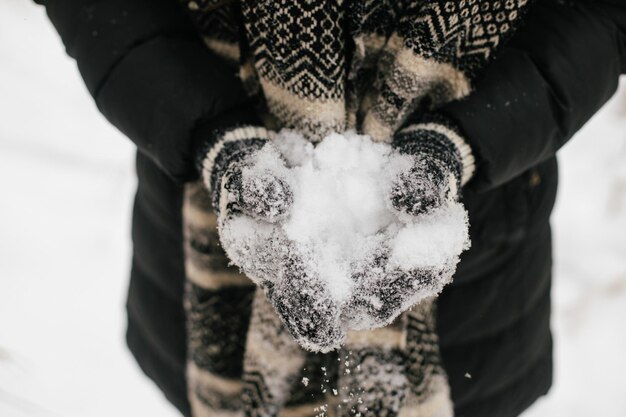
<point x="344" y="235"/>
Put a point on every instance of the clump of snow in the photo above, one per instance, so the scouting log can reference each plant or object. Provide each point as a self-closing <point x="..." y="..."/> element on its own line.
<point x="340" y="208"/>
<point x="343" y="230"/>
<point x="431" y="240"/>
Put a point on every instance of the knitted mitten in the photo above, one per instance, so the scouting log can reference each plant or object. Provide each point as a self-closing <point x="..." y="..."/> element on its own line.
<point x="246" y="176"/>
<point x="382" y="291"/>
<point x="443" y="163"/>
<point x="307" y="308"/>
<point x="264" y="196"/>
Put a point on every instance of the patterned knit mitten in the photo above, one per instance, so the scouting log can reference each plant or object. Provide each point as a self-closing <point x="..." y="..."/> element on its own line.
<point x="307" y="308"/>
<point x="263" y="195"/>
<point x="383" y="291"/>
<point x="443" y="163"/>
<point x="251" y="193"/>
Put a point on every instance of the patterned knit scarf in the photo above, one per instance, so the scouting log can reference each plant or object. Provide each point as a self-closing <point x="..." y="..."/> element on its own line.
<point x="320" y="66"/>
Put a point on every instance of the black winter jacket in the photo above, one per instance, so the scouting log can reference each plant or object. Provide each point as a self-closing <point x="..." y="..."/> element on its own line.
<point x="152" y="77"/>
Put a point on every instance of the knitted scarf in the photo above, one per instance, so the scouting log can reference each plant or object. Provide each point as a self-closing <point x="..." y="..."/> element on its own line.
<point x="320" y="66"/>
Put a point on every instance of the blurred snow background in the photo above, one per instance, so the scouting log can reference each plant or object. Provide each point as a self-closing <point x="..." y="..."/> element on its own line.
<point x="67" y="183"/>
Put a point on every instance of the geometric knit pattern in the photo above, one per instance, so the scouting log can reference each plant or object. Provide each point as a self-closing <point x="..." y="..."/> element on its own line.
<point x="299" y="54"/>
<point x="319" y="66"/>
<point x="325" y="66"/>
<point x="438" y="47"/>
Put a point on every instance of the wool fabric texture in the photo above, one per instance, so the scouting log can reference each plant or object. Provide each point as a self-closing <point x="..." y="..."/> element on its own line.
<point x="318" y="67"/>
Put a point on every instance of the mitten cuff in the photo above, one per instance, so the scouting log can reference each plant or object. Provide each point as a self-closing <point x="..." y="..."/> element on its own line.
<point x="231" y="145"/>
<point x="435" y="135"/>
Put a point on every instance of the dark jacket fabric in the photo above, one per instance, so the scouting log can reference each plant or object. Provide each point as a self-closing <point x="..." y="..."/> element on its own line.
<point x="153" y="78"/>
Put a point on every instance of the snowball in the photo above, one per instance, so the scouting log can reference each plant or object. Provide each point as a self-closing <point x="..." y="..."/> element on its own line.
<point x="340" y="202"/>
<point x="342" y="227"/>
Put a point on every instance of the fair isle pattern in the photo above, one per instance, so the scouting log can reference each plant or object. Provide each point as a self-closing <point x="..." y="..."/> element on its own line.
<point x="403" y="55"/>
<point x="320" y="66"/>
<point x="464" y="33"/>
<point x="438" y="47"/>
<point x="299" y="53"/>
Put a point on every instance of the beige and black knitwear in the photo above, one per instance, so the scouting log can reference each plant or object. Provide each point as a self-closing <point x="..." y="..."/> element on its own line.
<point x="320" y="66"/>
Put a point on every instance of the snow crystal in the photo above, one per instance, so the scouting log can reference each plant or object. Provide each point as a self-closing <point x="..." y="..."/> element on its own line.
<point x="342" y="227"/>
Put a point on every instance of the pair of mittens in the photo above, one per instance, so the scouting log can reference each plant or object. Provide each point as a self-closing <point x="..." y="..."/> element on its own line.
<point x="251" y="193"/>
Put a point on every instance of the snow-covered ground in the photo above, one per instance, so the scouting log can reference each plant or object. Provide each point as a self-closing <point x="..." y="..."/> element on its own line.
<point x="67" y="182"/>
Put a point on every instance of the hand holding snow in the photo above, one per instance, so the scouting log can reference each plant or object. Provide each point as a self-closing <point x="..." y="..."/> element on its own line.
<point x="261" y="191"/>
<point x="343" y="258"/>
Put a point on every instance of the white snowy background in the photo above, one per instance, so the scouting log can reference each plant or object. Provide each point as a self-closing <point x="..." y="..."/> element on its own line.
<point x="66" y="186"/>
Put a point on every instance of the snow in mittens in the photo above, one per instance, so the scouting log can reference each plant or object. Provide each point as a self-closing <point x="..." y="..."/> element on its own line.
<point x="342" y="223"/>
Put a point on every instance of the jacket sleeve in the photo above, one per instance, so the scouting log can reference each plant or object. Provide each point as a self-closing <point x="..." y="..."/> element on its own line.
<point x="556" y="72"/>
<point x="149" y="73"/>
